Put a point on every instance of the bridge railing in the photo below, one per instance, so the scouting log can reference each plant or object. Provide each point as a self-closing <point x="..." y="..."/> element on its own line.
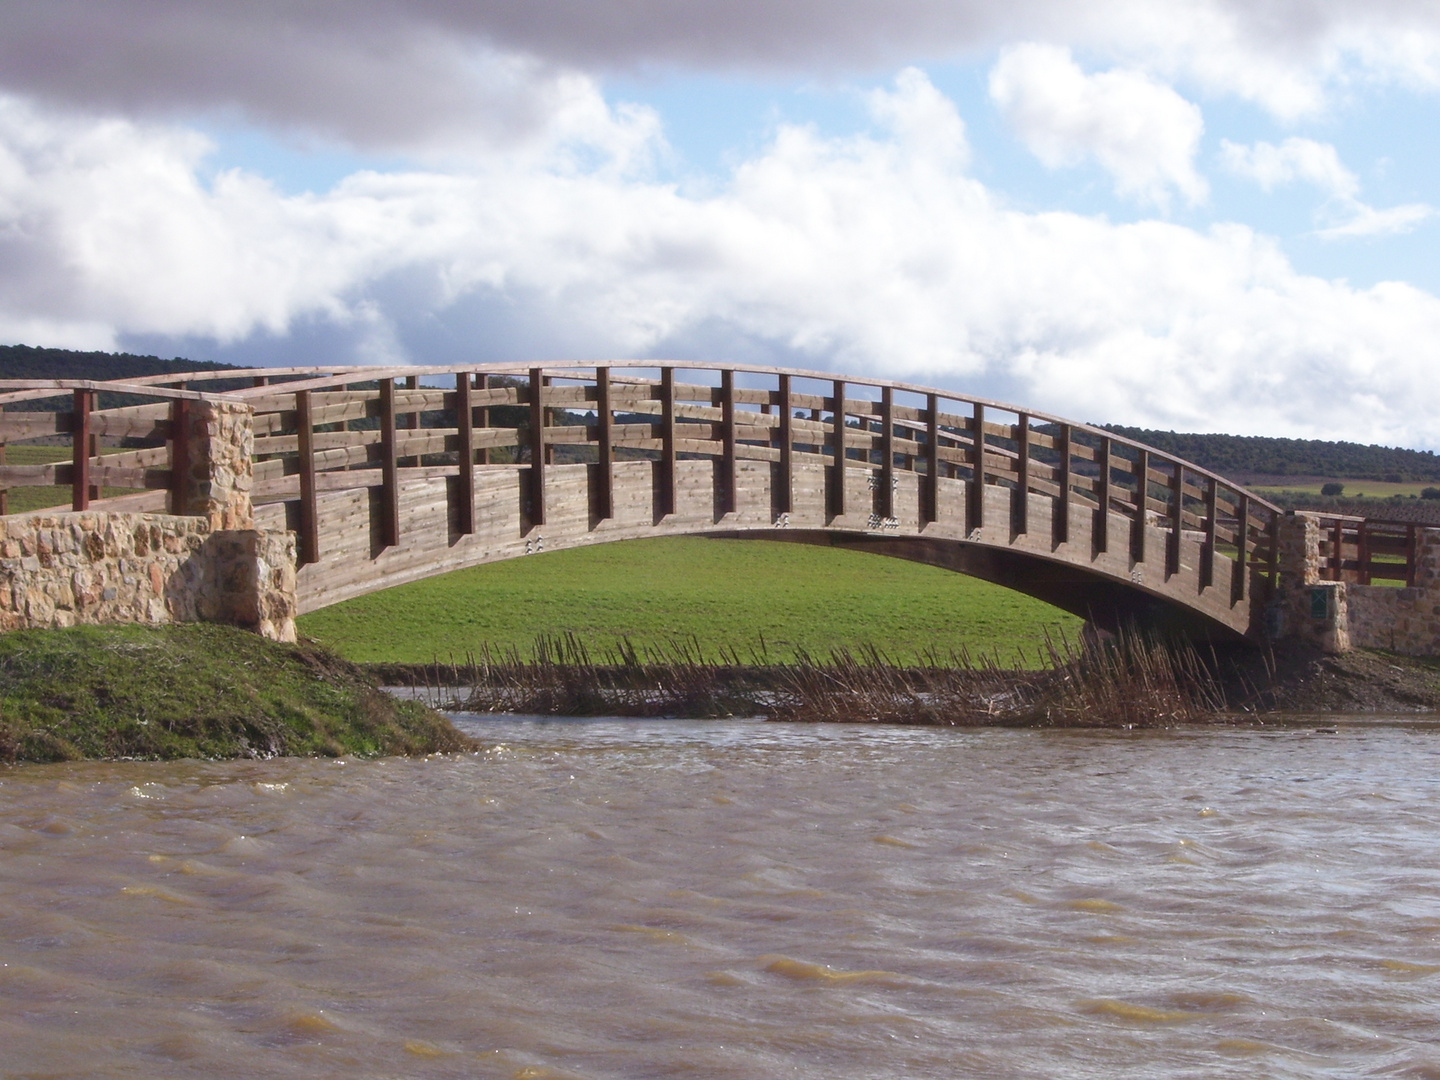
<point x="1363" y="550"/>
<point x="375" y="427"/>
<point x="113" y="445"/>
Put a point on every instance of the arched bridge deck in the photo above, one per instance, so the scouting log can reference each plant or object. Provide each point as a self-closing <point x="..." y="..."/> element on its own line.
<point x="387" y="477"/>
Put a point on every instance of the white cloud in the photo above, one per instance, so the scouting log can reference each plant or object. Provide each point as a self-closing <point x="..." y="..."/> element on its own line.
<point x="1271" y="166"/>
<point x="855" y="254"/>
<point x="1319" y="164"/>
<point x="422" y="73"/>
<point x="1141" y="132"/>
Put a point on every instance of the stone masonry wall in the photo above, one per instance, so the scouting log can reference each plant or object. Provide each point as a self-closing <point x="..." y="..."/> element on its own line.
<point x="221" y="438"/>
<point x="63" y="569"/>
<point x="1403" y="620"/>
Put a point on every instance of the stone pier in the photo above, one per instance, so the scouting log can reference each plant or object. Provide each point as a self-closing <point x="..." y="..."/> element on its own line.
<point x="206" y="564"/>
<point x="1341" y="615"/>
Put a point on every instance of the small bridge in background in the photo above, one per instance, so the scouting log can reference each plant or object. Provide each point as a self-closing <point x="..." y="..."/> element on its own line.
<point x="389" y="475"/>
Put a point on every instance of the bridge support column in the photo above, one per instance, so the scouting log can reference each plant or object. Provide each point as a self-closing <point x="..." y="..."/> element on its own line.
<point x="215" y="452"/>
<point x="1305" y="607"/>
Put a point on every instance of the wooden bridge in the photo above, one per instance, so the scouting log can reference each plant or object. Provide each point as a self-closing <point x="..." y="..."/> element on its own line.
<point x="388" y="475"/>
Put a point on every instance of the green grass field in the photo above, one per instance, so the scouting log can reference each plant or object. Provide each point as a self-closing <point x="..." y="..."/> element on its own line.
<point x="1354" y="489"/>
<point x="723" y="594"/>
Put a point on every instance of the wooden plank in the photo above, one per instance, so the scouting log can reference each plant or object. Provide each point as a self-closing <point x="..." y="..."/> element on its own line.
<point x="785" y="492"/>
<point x="1063" y="481"/>
<point x="726" y="479"/>
<point x="1101" y="528"/>
<point x="1021" y="495"/>
<point x="1177" y="519"/>
<point x="837" y="446"/>
<point x="887" y="452"/>
<point x="309" y="538"/>
<point x="389" y="468"/>
<point x="930" y="500"/>
<point x="180" y="456"/>
<point x="1212" y="522"/>
<point x="482" y="415"/>
<point x="537" y="447"/>
<point x="975" y="508"/>
<point x="604" y="440"/>
<point x="465" y="419"/>
<point x="667" y="442"/>
<point x="1142" y="498"/>
<point x="83" y="401"/>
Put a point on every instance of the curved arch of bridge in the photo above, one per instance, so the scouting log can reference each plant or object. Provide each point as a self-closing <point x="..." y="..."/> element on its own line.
<point x="389" y="475"/>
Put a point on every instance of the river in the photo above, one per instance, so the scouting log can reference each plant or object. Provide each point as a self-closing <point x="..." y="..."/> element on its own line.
<point x="628" y="899"/>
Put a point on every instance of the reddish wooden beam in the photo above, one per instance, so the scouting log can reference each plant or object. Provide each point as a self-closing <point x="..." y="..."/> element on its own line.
<point x="727" y="479"/>
<point x="1061" y="530"/>
<point x="976" y="492"/>
<point x="180" y="456"/>
<point x="667" y="441"/>
<point x="1177" y="519"/>
<point x="838" y="448"/>
<point x="930" y="500"/>
<point x="1101" y="529"/>
<point x="389" y="468"/>
<point x="1240" y="582"/>
<point x="465" y="422"/>
<point x="1142" y="498"/>
<point x="482" y="417"/>
<point x="1020" y="504"/>
<point x="309" y="538"/>
<point x="605" y="443"/>
<point x="887" y="453"/>
<point x="785" y="491"/>
<point x="83" y="405"/>
<point x="1207" y="550"/>
<point x="537" y="446"/>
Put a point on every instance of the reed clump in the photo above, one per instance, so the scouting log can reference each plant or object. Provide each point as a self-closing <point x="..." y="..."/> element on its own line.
<point x="1130" y="681"/>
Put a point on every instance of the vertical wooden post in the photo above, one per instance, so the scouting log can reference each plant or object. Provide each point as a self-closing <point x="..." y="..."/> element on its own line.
<point x="837" y="442"/>
<point x="1020" y="505"/>
<point x="1207" y="553"/>
<point x="537" y="446"/>
<point x="482" y="416"/>
<point x="260" y="380"/>
<point x="930" y="503"/>
<point x="1062" y="477"/>
<point x="727" y="442"/>
<point x="412" y="420"/>
<point x="785" y="497"/>
<point x="1142" y="505"/>
<point x="667" y="441"/>
<point x="309" y="539"/>
<point x="1240" y="584"/>
<point x="1272" y="556"/>
<point x="605" y="441"/>
<point x="1101" y="528"/>
<point x="976" y="492"/>
<point x="1412" y="537"/>
<point x="179" y="456"/>
<point x="4" y="492"/>
<point x="1362" y="552"/>
<point x="887" y="452"/>
<point x="83" y="402"/>
<point x="1337" y="551"/>
<point x="389" y="467"/>
<point x="465" y="422"/>
<point x="1177" y="519"/>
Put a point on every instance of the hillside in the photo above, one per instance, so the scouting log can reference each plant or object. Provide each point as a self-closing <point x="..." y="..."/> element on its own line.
<point x="26" y="362"/>
<point x="1243" y="457"/>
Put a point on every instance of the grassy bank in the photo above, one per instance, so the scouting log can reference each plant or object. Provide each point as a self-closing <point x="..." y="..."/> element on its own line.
<point x="723" y="596"/>
<point x="194" y="691"/>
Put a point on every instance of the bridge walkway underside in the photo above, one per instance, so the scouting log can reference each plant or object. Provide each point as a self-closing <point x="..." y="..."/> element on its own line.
<point x="1098" y="566"/>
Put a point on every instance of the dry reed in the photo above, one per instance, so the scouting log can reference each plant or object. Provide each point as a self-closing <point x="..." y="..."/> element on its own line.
<point x="1129" y="681"/>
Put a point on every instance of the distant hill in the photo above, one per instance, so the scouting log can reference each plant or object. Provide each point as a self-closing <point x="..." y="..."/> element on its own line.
<point x="26" y="362"/>
<point x="1241" y="456"/>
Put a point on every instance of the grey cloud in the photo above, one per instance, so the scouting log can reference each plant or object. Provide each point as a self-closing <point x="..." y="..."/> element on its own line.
<point x="398" y="72"/>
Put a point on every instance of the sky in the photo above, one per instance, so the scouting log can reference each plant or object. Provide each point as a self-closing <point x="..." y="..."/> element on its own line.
<point x="1220" y="215"/>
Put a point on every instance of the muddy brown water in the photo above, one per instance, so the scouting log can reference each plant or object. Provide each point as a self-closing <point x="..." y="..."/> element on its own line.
<point x="624" y="899"/>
